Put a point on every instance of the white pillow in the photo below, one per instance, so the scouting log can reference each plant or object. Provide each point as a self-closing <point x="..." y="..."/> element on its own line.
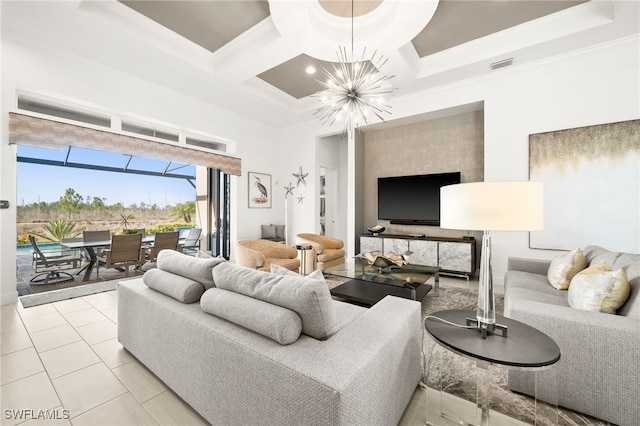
<point x="281" y="270"/>
<point x="599" y="289"/>
<point x="564" y="267"/>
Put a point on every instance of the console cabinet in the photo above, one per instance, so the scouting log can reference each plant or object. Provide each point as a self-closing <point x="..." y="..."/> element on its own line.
<point x="455" y="256"/>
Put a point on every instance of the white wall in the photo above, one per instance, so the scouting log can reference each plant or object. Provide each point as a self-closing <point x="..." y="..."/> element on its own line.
<point x="63" y="76"/>
<point x="597" y="86"/>
<point x="594" y="86"/>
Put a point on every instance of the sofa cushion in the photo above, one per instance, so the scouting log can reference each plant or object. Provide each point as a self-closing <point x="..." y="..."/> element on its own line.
<point x="272" y="321"/>
<point x="307" y="297"/>
<point x="597" y="254"/>
<point x="564" y="267"/>
<point x="180" y="288"/>
<point x="196" y="269"/>
<point x="599" y="289"/>
<point x="630" y="264"/>
<point x="530" y="281"/>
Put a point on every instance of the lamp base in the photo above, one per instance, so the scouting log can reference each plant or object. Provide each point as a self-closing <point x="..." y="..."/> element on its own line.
<point x="486" y="328"/>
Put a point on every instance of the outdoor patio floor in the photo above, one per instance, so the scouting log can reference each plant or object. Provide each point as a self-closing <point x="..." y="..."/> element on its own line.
<point x="25" y="273"/>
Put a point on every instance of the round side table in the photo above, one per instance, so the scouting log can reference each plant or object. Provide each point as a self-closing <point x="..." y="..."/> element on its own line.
<point x="525" y="348"/>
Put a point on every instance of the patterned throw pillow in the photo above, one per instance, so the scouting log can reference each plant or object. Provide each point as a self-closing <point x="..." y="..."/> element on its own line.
<point x="599" y="289"/>
<point x="564" y="267"/>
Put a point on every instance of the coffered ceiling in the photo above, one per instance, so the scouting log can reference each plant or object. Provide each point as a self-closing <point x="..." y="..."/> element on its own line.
<point x="250" y="57"/>
<point x="445" y="24"/>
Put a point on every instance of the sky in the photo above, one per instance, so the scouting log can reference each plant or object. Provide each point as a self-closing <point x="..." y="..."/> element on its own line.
<point x="37" y="183"/>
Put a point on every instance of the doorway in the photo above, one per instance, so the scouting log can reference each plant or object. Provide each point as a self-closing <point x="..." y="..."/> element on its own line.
<point x="328" y="200"/>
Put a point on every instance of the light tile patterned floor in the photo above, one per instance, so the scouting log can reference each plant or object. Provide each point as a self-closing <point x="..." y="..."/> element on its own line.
<point x="65" y="356"/>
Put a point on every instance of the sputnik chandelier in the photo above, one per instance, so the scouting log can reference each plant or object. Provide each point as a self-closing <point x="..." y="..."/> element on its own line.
<point x="354" y="89"/>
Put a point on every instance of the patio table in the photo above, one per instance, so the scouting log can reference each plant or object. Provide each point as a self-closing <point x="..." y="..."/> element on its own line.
<point x="90" y="247"/>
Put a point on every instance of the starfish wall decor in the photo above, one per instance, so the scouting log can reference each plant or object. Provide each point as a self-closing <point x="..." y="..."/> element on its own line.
<point x="301" y="177"/>
<point x="300" y="199"/>
<point x="288" y="189"/>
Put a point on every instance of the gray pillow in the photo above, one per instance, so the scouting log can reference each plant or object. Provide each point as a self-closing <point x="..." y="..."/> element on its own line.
<point x="176" y="286"/>
<point x="309" y="298"/>
<point x="268" y="231"/>
<point x="279" y="231"/>
<point x="277" y="323"/>
<point x="188" y="266"/>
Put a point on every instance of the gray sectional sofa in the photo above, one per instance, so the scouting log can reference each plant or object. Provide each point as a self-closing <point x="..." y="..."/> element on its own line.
<point x="286" y="354"/>
<point x="599" y="370"/>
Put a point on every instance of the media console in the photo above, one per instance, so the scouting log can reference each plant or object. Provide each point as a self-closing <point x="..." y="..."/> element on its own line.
<point x="454" y="256"/>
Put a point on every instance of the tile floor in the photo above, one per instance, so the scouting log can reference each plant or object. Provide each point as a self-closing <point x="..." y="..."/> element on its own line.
<point x="66" y="354"/>
<point x="63" y="360"/>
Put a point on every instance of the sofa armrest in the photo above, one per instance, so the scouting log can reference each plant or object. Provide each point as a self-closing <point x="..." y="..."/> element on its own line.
<point x="249" y="257"/>
<point x="319" y="248"/>
<point x="378" y="353"/>
<point x="534" y="266"/>
<point x="599" y="357"/>
<point x="281" y="251"/>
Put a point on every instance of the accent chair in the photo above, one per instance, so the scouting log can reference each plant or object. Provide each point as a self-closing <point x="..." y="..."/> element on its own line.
<point x="327" y="251"/>
<point x="261" y="254"/>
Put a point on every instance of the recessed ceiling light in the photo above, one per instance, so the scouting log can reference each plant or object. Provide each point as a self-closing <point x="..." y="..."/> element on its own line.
<point x="310" y="69"/>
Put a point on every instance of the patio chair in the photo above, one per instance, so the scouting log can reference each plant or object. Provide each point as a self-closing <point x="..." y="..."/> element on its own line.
<point x="162" y="241"/>
<point x="126" y="250"/>
<point x="91" y="236"/>
<point x="49" y="265"/>
<point x="191" y="243"/>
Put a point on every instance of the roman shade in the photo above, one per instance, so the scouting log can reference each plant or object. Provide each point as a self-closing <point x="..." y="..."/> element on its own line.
<point x="44" y="133"/>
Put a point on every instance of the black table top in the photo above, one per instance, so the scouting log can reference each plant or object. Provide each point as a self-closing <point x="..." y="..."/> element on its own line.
<point x="525" y="346"/>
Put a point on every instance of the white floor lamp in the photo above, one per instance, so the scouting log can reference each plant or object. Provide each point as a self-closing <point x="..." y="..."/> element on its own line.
<point x="491" y="206"/>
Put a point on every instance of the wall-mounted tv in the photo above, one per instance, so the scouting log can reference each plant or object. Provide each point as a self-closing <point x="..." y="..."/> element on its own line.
<point x="413" y="200"/>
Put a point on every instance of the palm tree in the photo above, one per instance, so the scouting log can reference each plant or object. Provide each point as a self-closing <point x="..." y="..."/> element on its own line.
<point x="125" y="222"/>
<point x="58" y="229"/>
<point x="184" y="210"/>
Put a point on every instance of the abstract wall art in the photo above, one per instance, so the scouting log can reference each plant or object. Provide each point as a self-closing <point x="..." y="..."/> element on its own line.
<point x="591" y="178"/>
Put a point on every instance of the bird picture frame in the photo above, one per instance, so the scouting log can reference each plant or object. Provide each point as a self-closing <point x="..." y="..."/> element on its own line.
<point x="259" y="190"/>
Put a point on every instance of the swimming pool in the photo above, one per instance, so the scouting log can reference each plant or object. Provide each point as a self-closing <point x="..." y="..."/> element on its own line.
<point x="26" y="248"/>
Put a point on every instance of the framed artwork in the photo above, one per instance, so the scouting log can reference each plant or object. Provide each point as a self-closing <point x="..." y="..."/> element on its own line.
<point x="591" y="178"/>
<point x="259" y="190"/>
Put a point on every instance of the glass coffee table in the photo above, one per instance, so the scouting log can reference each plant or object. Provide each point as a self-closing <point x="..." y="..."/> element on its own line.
<point x="369" y="284"/>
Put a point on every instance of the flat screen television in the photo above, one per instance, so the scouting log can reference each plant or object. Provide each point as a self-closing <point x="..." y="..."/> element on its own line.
<point x="413" y="200"/>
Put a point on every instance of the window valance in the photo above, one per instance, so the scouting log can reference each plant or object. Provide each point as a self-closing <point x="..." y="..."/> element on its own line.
<point x="44" y="133"/>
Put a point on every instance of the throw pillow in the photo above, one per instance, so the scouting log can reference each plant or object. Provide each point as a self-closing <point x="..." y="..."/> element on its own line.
<point x="564" y="267"/>
<point x="599" y="289"/>
<point x="279" y="231"/>
<point x="176" y="286"/>
<point x="309" y="298"/>
<point x="268" y="231"/>
<point x="272" y="321"/>
<point x="203" y="255"/>
<point x="188" y="266"/>
<point x="281" y="270"/>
